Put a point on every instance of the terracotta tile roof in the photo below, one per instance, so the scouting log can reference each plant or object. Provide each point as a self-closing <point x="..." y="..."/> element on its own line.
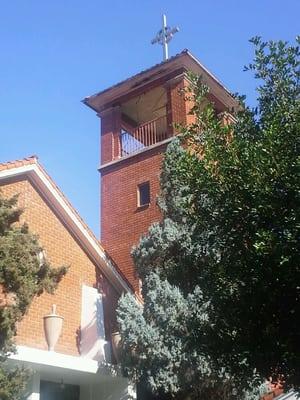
<point x="19" y="163"/>
<point x="33" y="160"/>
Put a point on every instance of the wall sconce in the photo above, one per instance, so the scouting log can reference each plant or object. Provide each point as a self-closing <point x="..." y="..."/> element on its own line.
<point x="52" y="327"/>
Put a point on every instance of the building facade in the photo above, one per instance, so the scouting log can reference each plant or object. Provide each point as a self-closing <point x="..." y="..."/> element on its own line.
<point x="81" y="365"/>
<point x="138" y="121"/>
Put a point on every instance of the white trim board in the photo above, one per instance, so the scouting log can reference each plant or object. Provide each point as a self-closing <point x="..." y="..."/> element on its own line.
<point x="53" y="359"/>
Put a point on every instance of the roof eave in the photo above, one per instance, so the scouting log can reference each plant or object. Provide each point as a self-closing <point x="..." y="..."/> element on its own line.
<point x="133" y="80"/>
<point x="85" y="101"/>
<point x="189" y="62"/>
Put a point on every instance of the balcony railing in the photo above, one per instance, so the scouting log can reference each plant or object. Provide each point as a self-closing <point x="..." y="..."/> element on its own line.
<point x="143" y="136"/>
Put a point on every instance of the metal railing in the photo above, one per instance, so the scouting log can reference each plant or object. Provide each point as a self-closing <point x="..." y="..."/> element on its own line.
<point x="143" y="136"/>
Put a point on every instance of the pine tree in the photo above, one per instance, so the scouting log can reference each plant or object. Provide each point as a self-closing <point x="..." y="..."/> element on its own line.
<point x="24" y="274"/>
<point x="221" y="274"/>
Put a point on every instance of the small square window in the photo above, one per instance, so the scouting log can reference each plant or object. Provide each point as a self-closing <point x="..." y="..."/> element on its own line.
<point x="143" y="194"/>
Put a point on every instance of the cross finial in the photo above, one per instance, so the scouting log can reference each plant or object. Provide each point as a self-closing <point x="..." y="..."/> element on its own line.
<point x="164" y="36"/>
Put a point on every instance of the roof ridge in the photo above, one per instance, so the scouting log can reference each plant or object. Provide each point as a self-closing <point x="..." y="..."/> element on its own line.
<point x="33" y="159"/>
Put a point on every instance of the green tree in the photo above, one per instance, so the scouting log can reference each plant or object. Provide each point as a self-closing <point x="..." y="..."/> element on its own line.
<point x="23" y="275"/>
<point x="227" y="247"/>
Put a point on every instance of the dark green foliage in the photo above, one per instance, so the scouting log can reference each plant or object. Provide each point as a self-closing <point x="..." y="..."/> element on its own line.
<point x="167" y="344"/>
<point x="12" y="383"/>
<point x="230" y="229"/>
<point x="23" y="275"/>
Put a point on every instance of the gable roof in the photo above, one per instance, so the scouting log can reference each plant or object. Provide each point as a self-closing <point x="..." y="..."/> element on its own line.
<point x="31" y="169"/>
<point x="184" y="60"/>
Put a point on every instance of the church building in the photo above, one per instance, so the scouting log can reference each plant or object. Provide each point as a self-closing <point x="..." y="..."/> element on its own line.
<point x="138" y="118"/>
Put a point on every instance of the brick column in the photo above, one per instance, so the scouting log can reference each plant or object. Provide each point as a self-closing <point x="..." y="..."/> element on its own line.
<point x="110" y="131"/>
<point x="176" y="104"/>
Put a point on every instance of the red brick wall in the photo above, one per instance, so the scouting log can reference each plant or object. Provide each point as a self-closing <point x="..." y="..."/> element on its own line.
<point x="122" y="222"/>
<point x="110" y="129"/>
<point x="61" y="249"/>
<point x="177" y="101"/>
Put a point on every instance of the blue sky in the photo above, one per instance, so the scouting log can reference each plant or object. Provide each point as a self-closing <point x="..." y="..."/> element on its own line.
<point x="54" y="53"/>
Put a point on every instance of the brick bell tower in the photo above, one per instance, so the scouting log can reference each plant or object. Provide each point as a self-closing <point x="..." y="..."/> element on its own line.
<point x="137" y="123"/>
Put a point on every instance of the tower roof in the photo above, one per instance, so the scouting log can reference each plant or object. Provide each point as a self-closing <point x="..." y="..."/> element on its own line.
<point x="182" y="62"/>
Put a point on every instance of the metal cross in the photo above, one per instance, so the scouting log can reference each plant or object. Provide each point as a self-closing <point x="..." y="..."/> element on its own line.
<point x="164" y="36"/>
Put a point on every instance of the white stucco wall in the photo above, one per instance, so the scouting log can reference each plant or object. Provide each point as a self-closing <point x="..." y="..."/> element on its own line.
<point x="92" y="325"/>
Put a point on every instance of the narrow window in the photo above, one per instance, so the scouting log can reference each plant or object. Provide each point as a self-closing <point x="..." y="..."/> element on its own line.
<point x="143" y="194"/>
